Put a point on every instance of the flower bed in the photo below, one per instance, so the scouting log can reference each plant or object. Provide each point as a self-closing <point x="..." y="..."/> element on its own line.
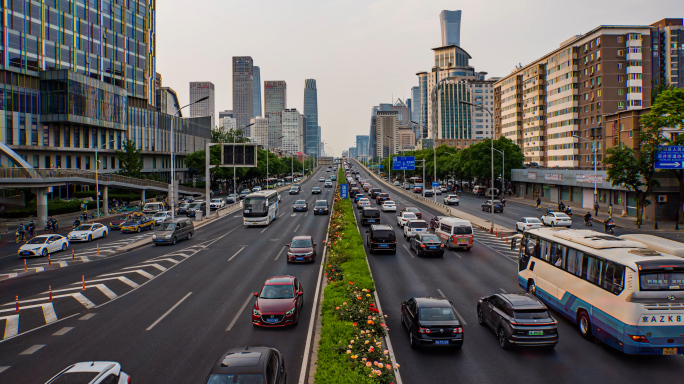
<point x="350" y="350"/>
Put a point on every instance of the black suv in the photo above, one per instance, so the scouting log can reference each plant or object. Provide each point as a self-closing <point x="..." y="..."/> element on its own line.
<point x="321" y="207"/>
<point x="250" y="364"/>
<point x="381" y="237"/>
<point x="381" y="197"/>
<point x="518" y="319"/>
<point x="370" y="216"/>
<point x="374" y="191"/>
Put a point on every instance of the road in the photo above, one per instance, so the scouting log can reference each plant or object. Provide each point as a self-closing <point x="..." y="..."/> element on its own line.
<point x="464" y="277"/>
<point x="193" y="302"/>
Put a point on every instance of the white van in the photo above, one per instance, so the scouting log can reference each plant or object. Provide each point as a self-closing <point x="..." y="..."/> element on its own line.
<point x="151" y="208"/>
<point x="455" y="233"/>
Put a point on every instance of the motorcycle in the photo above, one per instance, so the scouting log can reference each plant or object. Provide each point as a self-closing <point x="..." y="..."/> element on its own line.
<point x="52" y="227"/>
<point x="609" y="227"/>
<point x="589" y="222"/>
<point x="20" y="236"/>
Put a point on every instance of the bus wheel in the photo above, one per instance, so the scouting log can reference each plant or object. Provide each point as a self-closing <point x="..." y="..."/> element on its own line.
<point x="531" y="288"/>
<point x="584" y="325"/>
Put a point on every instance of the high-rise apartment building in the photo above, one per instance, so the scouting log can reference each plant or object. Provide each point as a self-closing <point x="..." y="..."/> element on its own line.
<point x="292" y="130"/>
<point x="352" y="153"/>
<point x="313" y="137"/>
<point x="258" y="133"/>
<point x="387" y="124"/>
<point x="667" y="36"/>
<point x="228" y="124"/>
<point x="450" y="22"/>
<point x="81" y="78"/>
<point x="256" y="104"/>
<point x="243" y="90"/>
<point x="363" y="147"/>
<point x="406" y="139"/>
<point x="568" y="91"/>
<point x="198" y="90"/>
<point x="275" y="101"/>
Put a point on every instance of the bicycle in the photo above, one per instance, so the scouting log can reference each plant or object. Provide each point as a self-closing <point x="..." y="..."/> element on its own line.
<point x="20" y="237"/>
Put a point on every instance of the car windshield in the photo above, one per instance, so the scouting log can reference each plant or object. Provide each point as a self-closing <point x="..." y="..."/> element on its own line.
<point x="37" y="240"/>
<point x="300" y="202"/>
<point x="184" y="205"/>
<point x="532" y="314"/>
<point x="534" y="221"/>
<point x="301" y="243"/>
<point x="84" y="227"/>
<point x="452" y="197"/>
<point x="231" y="196"/>
<point x="660" y="280"/>
<point x="321" y="203"/>
<point x="562" y="216"/>
<point x="463" y="230"/>
<point x="410" y="216"/>
<point x="122" y="217"/>
<point x="316" y="188"/>
<point x="75" y="378"/>
<point x="167" y="227"/>
<point x="196" y="206"/>
<point x="231" y="379"/>
<point x="384" y="234"/>
<point x="437" y="314"/>
<point x="418" y="224"/>
<point x="411" y="209"/>
<point x="389" y="202"/>
<point x="277" y="292"/>
<point x="160" y="214"/>
<point x="430" y="238"/>
<point x="245" y="191"/>
<point x="216" y="201"/>
<point x="255" y="205"/>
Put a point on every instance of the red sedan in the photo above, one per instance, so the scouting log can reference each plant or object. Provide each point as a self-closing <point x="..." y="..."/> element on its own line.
<point x="278" y="303"/>
<point x="302" y="249"/>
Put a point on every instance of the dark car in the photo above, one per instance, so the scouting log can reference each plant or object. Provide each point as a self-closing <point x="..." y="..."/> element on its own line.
<point x="429" y="193"/>
<point x="427" y="244"/>
<point x="183" y="208"/>
<point x="374" y="191"/>
<point x="413" y="210"/>
<point x="382" y="197"/>
<point x="434" y="221"/>
<point x="353" y="191"/>
<point x="300" y="206"/>
<point x="321" y="207"/>
<point x="498" y="206"/>
<point x="117" y="221"/>
<point x="518" y="319"/>
<point x="431" y="322"/>
<point x="194" y="207"/>
<point x="302" y="248"/>
<point x="381" y="237"/>
<point x="278" y="303"/>
<point x="249" y="365"/>
<point x="294" y="191"/>
<point x="316" y="190"/>
<point x="370" y="216"/>
<point x="244" y="193"/>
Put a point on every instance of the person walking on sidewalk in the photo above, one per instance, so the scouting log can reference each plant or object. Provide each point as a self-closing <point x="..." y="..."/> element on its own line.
<point x="538" y="202"/>
<point x="596" y="208"/>
<point x="610" y="210"/>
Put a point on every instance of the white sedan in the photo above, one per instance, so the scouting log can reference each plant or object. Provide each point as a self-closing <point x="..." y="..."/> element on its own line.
<point x="405" y="217"/>
<point x="217" y="203"/>
<point x="451" y="200"/>
<point x="88" y="232"/>
<point x="528" y="223"/>
<point x="43" y="245"/>
<point x="389" y="206"/>
<point x="363" y="202"/>
<point x="556" y="219"/>
<point x="160" y="217"/>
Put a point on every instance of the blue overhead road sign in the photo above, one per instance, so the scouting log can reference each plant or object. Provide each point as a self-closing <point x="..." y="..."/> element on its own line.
<point x="344" y="191"/>
<point x="435" y="184"/>
<point x="669" y="157"/>
<point x="404" y="163"/>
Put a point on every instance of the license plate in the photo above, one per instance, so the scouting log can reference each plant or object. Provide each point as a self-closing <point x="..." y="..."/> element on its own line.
<point x="371" y="221"/>
<point x="669" y="351"/>
<point x="300" y="258"/>
<point x="462" y="240"/>
<point x="383" y="245"/>
<point x="271" y="320"/>
<point x="441" y="342"/>
<point x="160" y="240"/>
<point x="25" y="253"/>
<point x="433" y="247"/>
<point x="535" y="333"/>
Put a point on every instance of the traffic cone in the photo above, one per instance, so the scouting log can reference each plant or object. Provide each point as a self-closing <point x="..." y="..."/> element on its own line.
<point x="98" y="249"/>
<point x="73" y="255"/>
<point x="50" y="289"/>
<point x="17" y="298"/>
<point x="25" y="267"/>
<point x="49" y="260"/>
<point x="83" y="279"/>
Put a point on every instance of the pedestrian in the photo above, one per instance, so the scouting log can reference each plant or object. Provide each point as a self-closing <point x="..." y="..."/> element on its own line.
<point x="538" y="202"/>
<point x="596" y="208"/>
<point x="561" y="206"/>
<point x="610" y="210"/>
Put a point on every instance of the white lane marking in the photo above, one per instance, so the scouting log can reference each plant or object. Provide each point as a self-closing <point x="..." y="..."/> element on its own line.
<point x="389" y="342"/>
<point x="281" y="215"/>
<point x="63" y="264"/>
<point x="279" y="253"/>
<point x="11" y="326"/>
<point x="85" y="259"/>
<point x="40" y="269"/>
<point x="49" y="313"/>
<point x="409" y="252"/>
<point x="503" y="290"/>
<point x="3" y="369"/>
<point x="159" y="267"/>
<point x="145" y="273"/>
<point x="294" y="214"/>
<point x="237" y="315"/>
<point x="33" y="349"/>
<point x="264" y="230"/>
<point x="506" y="257"/>
<point x="236" y="253"/>
<point x="459" y="256"/>
<point x="306" y="214"/>
<point x="167" y="259"/>
<point x="295" y="231"/>
<point x="457" y="314"/>
<point x="83" y="300"/>
<point x="108" y="292"/>
<point x="87" y="316"/>
<point x="169" y="311"/>
<point x="62" y="331"/>
<point x="128" y="282"/>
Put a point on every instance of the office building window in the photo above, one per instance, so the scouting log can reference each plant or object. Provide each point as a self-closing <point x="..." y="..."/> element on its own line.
<point x="46" y="136"/>
<point x="34" y="133"/>
<point x="68" y="161"/>
<point x="22" y="130"/>
<point x="113" y="162"/>
<point x="86" y="139"/>
<point x="77" y="138"/>
<point x="46" y="162"/>
<point x="9" y="129"/>
<point x="67" y="136"/>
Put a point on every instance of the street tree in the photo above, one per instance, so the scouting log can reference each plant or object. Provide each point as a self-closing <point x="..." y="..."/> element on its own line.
<point x="130" y="159"/>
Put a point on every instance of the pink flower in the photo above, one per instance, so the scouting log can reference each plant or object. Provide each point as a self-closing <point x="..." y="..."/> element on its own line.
<point x="368" y="364"/>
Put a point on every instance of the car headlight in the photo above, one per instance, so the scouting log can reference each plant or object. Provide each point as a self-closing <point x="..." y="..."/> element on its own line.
<point x="154" y="237"/>
<point x="291" y="311"/>
<point x="167" y="236"/>
<point x="309" y="253"/>
<point x="256" y="312"/>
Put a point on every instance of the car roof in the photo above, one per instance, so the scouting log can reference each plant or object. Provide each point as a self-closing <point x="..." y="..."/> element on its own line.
<point x="377" y="227"/>
<point x="522" y="301"/>
<point x="302" y="237"/>
<point x="370" y="209"/>
<point x="432" y="302"/>
<point x="178" y="220"/>
<point x="531" y="217"/>
<point x="243" y="360"/>
<point x="279" y="280"/>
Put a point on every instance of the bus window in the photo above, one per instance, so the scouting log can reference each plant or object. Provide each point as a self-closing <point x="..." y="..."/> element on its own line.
<point x="557" y="255"/>
<point x="573" y="263"/>
<point x="544" y="250"/>
<point x="612" y="277"/>
<point x="593" y="269"/>
<point x="527" y="246"/>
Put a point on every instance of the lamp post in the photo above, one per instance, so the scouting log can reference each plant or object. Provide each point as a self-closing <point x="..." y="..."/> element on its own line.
<point x="491" y="193"/>
<point x="97" y="177"/>
<point x="503" y="159"/>
<point x="593" y="145"/>
<point x="172" y="197"/>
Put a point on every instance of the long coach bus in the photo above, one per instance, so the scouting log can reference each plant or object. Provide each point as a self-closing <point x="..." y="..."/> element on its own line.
<point x="614" y="289"/>
<point x="260" y="208"/>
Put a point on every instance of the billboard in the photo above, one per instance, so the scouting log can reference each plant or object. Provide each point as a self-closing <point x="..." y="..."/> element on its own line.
<point x="239" y="155"/>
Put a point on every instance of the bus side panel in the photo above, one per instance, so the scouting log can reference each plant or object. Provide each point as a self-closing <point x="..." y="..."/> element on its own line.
<point x="607" y="328"/>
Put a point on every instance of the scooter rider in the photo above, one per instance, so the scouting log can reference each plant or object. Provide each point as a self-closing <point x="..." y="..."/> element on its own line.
<point x="587" y="217"/>
<point x="609" y="224"/>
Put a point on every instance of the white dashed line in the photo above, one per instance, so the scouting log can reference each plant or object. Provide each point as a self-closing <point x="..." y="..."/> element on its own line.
<point x="49" y="313"/>
<point x="87" y="316"/>
<point x="169" y="311"/>
<point x="279" y="253"/>
<point x="62" y="331"/>
<point x="237" y="315"/>
<point x="11" y="326"/>
<point x="33" y="349"/>
<point x="236" y="253"/>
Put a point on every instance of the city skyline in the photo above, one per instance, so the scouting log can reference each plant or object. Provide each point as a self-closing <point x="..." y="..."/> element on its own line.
<point x="336" y="67"/>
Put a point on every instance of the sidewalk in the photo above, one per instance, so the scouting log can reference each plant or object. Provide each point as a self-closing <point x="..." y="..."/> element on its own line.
<point x="622" y="222"/>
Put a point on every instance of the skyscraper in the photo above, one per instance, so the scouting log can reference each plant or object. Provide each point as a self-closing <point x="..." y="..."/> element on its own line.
<point x="256" y="106"/>
<point x="292" y="123"/>
<point x="362" y="147"/>
<point x="275" y="100"/>
<point x="313" y="136"/>
<point x="198" y="90"/>
<point x="450" y="22"/>
<point x="243" y="90"/>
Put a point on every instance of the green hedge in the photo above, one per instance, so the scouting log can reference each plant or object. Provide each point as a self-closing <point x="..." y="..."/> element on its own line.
<point x="56" y="207"/>
<point x="350" y="323"/>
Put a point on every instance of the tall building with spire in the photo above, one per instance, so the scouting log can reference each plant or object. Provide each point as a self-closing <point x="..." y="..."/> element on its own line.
<point x="450" y="21"/>
<point x="312" y="134"/>
<point x="243" y="90"/>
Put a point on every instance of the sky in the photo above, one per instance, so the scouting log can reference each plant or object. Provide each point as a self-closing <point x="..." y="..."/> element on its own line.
<point x="365" y="52"/>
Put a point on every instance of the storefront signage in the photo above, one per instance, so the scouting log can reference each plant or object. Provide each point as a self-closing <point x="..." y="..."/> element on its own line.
<point x="553" y="177"/>
<point x="589" y="179"/>
<point x="532" y="176"/>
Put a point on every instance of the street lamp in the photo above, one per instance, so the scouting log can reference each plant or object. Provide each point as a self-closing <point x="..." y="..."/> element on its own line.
<point x="172" y="198"/>
<point x="491" y="189"/>
<point x="503" y="159"/>
<point x="593" y="145"/>
<point x="97" y="178"/>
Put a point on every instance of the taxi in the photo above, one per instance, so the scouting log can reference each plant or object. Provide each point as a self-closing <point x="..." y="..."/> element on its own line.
<point x="137" y="224"/>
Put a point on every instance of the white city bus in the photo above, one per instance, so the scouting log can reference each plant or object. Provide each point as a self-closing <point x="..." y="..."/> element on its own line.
<point x="260" y="208"/>
<point x="615" y="289"/>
